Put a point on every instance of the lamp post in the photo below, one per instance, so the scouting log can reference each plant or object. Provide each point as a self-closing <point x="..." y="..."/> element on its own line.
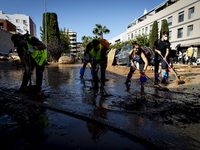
<point x="45" y="27"/>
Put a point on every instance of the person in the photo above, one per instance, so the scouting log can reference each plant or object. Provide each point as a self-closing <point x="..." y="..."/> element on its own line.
<point x="137" y="60"/>
<point x="161" y="49"/>
<point x="98" y="52"/>
<point x="190" y="53"/>
<point x="32" y="54"/>
<point x="86" y="59"/>
<point x="180" y="57"/>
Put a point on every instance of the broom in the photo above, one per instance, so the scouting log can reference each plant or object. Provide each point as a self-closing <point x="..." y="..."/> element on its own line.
<point x="178" y="78"/>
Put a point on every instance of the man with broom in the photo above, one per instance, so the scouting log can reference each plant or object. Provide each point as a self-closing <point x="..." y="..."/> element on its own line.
<point x="98" y="52"/>
<point x="32" y="54"/>
<point x="161" y="48"/>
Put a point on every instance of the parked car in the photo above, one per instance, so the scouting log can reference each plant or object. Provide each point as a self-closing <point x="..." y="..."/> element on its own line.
<point x="122" y="54"/>
<point x="4" y="56"/>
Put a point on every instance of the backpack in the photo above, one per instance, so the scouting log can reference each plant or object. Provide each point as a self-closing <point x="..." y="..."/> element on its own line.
<point x="105" y="43"/>
<point x="147" y="52"/>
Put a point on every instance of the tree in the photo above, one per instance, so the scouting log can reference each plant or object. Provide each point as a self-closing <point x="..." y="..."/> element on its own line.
<point x="153" y="35"/>
<point x="64" y="38"/>
<point x="86" y="40"/>
<point x="164" y="27"/>
<point x="52" y="27"/>
<point x="55" y="48"/>
<point x="99" y="30"/>
<point x="142" y="40"/>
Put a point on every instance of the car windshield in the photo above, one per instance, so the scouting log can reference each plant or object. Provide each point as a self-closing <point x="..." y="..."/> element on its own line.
<point x="126" y="49"/>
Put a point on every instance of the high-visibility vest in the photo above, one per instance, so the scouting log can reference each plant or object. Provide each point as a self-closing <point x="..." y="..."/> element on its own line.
<point x="38" y="55"/>
<point x="96" y="55"/>
<point x="190" y="51"/>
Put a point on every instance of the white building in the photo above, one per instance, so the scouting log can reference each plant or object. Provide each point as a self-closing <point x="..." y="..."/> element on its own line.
<point x="72" y="36"/>
<point x="183" y="19"/>
<point x="22" y="22"/>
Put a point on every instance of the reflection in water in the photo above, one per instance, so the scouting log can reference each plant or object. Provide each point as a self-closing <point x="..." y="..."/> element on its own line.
<point x="96" y="131"/>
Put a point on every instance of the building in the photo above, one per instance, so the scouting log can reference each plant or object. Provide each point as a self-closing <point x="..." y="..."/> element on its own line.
<point x="183" y="18"/>
<point x="79" y="47"/>
<point x="73" y="37"/>
<point x="22" y="22"/>
<point x="7" y="25"/>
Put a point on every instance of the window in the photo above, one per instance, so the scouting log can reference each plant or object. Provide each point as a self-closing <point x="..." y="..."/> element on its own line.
<point x="146" y="30"/>
<point x="24" y="21"/>
<point x="190" y="30"/>
<point x="170" y="35"/>
<point x="17" y="21"/>
<point x="1" y="26"/>
<point x="181" y="17"/>
<point x="191" y="13"/>
<point x="135" y="33"/>
<point x="158" y="25"/>
<point x="18" y="28"/>
<point x="25" y="28"/>
<point x="180" y="33"/>
<point x="170" y="21"/>
<point x="131" y="35"/>
<point x="128" y="36"/>
<point x="151" y="28"/>
<point x="143" y="31"/>
<point x="139" y="32"/>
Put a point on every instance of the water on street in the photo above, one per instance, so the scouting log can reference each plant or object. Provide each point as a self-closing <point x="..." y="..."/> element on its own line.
<point x="73" y="116"/>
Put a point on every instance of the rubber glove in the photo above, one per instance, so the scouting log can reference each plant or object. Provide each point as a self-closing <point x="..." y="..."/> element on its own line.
<point x="31" y="49"/>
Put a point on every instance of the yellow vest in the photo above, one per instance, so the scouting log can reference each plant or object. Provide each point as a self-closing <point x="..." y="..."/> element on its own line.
<point x="97" y="55"/>
<point x="190" y="51"/>
<point x="38" y="55"/>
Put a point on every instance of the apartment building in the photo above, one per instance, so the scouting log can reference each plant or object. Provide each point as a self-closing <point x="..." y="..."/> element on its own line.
<point x="79" y="47"/>
<point x="73" y="37"/>
<point x="22" y="22"/>
<point x="183" y="18"/>
<point x="7" y="25"/>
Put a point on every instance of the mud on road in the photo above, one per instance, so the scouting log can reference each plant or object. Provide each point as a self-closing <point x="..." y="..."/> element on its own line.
<point x="164" y="119"/>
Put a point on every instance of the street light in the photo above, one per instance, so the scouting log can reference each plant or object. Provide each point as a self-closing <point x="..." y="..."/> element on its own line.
<point x="45" y="27"/>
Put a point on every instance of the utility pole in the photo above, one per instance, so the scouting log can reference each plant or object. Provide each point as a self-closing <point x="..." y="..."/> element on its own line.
<point x="45" y="27"/>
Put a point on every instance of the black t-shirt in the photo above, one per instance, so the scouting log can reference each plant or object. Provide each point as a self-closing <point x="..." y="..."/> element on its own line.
<point x="162" y="46"/>
<point x="34" y="42"/>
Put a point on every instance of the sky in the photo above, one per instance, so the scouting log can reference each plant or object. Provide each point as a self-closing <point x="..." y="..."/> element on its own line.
<point x="80" y="16"/>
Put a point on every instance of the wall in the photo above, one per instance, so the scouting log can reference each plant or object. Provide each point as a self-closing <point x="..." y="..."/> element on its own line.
<point x="5" y="41"/>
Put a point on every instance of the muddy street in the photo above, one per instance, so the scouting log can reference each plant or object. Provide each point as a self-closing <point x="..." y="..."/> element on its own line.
<point x="70" y="115"/>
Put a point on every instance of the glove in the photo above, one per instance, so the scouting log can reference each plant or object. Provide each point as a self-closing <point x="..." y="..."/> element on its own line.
<point x="128" y="64"/>
<point x="27" y="70"/>
<point x="31" y="49"/>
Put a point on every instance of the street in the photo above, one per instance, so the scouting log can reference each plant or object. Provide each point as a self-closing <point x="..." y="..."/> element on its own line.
<point x="73" y="116"/>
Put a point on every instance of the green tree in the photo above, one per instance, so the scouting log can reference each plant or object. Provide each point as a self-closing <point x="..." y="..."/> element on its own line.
<point x="64" y="37"/>
<point x="153" y="35"/>
<point x="142" y="40"/>
<point x="99" y="30"/>
<point x="164" y="27"/>
<point x="86" y="40"/>
<point x="52" y="27"/>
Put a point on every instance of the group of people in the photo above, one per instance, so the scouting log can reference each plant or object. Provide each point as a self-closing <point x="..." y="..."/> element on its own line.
<point x="187" y="57"/>
<point x="139" y="60"/>
<point x="33" y="54"/>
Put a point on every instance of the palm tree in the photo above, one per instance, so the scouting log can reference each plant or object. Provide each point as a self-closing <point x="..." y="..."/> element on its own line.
<point x="99" y="30"/>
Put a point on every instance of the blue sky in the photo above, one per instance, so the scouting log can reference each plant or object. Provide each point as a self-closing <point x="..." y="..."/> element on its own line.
<point x="81" y="15"/>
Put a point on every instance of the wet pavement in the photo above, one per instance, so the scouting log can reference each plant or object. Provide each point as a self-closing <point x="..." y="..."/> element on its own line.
<point x="72" y="116"/>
